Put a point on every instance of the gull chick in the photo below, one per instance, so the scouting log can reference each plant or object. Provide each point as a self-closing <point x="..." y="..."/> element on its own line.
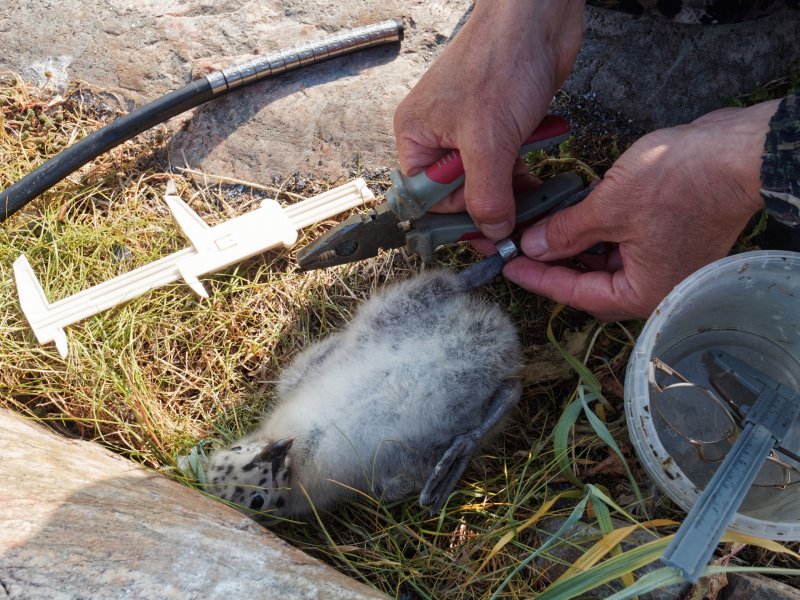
<point x="395" y="404"/>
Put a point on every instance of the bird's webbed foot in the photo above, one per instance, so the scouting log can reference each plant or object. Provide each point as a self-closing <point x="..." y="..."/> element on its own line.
<point x="456" y="458"/>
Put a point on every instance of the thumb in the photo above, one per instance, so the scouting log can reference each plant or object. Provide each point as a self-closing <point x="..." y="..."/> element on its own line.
<point x="488" y="190"/>
<point x="569" y="232"/>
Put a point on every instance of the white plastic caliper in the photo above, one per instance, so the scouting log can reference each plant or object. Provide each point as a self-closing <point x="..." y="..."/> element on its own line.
<point x="212" y="249"/>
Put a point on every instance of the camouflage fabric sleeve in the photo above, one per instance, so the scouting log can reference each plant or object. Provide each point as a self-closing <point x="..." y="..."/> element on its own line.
<point x="780" y="176"/>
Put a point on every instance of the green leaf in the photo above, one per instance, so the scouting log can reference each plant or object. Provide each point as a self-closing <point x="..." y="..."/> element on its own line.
<point x="604" y="545"/>
<point x="510" y="535"/>
<point x="607" y="526"/>
<point x="573" y="518"/>
<point x="561" y="440"/>
<point x="613" y="568"/>
<point x="582" y="370"/>
<point x="605" y="435"/>
<point x="654" y="580"/>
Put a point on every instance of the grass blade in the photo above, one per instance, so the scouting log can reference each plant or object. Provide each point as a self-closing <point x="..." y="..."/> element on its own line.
<point x="510" y="535"/>
<point x="604" y="545"/>
<point x="605" y="435"/>
<point x="772" y="546"/>
<point x="573" y="518"/>
<point x="654" y="580"/>
<point x="607" y="526"/>
<point x="600" y="574"/>
<point x="627" y="562"/>
<point x="561" y="440"/>
<point x="588" y="378"/>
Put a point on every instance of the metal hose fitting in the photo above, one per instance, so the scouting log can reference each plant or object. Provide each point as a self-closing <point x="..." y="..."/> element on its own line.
<point x="194" y="94"/>
<point x="309" y="53"/>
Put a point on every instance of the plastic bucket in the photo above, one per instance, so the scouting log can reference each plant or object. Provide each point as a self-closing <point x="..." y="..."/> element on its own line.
<point x="749" y="306"/>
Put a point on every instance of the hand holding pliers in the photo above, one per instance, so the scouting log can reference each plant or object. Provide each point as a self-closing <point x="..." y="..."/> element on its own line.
<point x="403" y="218"/>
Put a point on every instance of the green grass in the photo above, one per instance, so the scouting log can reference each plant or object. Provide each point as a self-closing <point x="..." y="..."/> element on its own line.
<point x="771" y="90"/>
<point x="167" y="371"/>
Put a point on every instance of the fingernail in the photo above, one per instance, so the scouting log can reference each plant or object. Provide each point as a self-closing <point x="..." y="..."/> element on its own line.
<point x="496" y="231"/>
<point x="534" y="241"/>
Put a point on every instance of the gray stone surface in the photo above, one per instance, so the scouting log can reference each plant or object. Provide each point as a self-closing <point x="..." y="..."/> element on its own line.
<point x="318" y="121"/>
<point x="756" y="587"/>
<point x="323" y="120"/>
<point x="81" y="522"/>
<point x="661" y="73"/>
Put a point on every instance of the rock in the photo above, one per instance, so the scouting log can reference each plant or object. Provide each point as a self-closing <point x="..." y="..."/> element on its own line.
<point x="578" y="539"/>
<point x="756" y="587"/>
<point x="319" y="121"/>
<point x="81" y="522"/>
<point x="324" y="120"/>
<point x="661" y="73"/>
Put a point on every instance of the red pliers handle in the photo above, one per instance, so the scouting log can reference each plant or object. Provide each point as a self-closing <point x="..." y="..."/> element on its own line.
<point x="411" y="197"/>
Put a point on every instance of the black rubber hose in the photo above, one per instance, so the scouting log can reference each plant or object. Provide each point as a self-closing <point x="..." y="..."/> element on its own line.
<point x="196" y="93"/>
<point x="93" y="145"/>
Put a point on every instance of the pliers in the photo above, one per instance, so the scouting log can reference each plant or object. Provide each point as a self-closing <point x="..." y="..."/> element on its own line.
<point x="403" y="218"/>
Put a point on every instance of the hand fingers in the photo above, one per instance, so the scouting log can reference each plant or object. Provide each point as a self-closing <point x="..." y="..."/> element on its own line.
<point x="488" y="189"/>
<point x="418" y="143"/>
<point x="605" y="295"/>
<point x="522" y="182"/>
<point x="522" y="179"/>
<point x="609" y="261"/>
<point x="571" y="231"/>
<point x="451" y="203"/>
<point x="413" y="157"/>
<point x="484" y="246"/>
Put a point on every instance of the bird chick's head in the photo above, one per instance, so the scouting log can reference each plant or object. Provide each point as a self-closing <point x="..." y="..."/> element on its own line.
<point x="254" y="476"/>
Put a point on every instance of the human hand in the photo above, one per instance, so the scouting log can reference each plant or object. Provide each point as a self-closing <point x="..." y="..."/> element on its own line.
<point x="675" y="201"/>
<point x="485" y="94"/>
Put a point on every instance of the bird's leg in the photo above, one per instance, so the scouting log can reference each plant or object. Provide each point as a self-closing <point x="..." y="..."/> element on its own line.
<point x="482" y="272"/>
<point x="455" y="459"/>
<point x="486" y="269"/>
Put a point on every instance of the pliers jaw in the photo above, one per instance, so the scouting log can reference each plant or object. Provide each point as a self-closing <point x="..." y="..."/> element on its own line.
<point x="360" y="237"/>
<point x="404" y="219"/>
<point x="363" y="236"/>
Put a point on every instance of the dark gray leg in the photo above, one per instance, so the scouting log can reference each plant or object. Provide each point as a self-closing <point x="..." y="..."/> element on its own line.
<point x="482" y="272"/>
<point x="456" y="458"/>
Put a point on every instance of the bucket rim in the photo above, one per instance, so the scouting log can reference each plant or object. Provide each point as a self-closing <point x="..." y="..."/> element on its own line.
<point x="655" y="459"/>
